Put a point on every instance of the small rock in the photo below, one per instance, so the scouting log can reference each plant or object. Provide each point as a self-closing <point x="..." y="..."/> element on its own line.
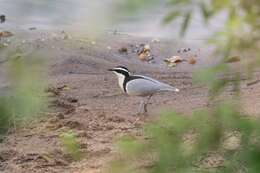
<point x="123" y="50"/>
<point x="60" y="115"/>
<point x="2" y="18"/>
<point x="144" y="52"/>
<point x="192" y="61"/>
<point x="174" y="59"/>
<point x="142" y="56"/>
<point x="183" y="50"/>
<point x="147" y="47"/>
<point x="32" y="28"/>
<point x="143" y="48"/>
<point x="6" y="34"/>
<point x="155" y="40"/>
<point x="72" y="100"/>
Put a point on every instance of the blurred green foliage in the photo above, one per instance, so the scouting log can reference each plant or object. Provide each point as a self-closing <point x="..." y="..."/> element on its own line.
<point x="180" y="143"/>
<point x="71" y="145"/>
<point x="24" y="96"/>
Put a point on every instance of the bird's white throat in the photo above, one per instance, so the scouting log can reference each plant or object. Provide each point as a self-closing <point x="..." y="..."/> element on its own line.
<point x="121" y="79"/>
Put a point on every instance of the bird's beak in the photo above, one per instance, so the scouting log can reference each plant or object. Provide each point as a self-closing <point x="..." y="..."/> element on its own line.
<point x="110" y="69"/>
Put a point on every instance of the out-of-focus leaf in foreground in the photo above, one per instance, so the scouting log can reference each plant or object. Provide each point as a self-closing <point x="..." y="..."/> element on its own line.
<point x="71" y="145"/>
<point x="179" y="143"/>
<point x="24" y="97"/>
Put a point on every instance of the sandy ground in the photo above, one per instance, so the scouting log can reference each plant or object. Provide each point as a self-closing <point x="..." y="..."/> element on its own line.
<point x="86" y="99"/>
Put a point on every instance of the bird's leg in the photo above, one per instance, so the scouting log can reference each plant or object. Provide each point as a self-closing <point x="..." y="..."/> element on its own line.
<point x="140" y="112"/>
<point x="146" y="103"/>
<point x="141" y="107"/>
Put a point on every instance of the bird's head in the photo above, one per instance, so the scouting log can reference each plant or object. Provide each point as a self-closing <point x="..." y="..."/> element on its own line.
<point x="120" y="71"/>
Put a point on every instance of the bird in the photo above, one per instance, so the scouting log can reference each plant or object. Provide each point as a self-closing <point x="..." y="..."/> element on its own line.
<point x="139" y="85"/>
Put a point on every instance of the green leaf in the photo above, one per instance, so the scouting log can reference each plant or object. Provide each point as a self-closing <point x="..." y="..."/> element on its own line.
<point x="206" y="11"/>
<point x="71" y="145"/>
<point x="219" y="5"/>
<point x="170" y="17"/>
<point x="176" y="2"/>
<point x="185" y="23"/>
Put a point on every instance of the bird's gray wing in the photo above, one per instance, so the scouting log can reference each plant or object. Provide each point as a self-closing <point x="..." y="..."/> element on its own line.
<point x="162" y="86"/>
<point x="141" y="87"/>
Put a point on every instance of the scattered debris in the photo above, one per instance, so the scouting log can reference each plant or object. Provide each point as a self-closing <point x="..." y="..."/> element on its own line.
<point x="142" y="56"/>
<point x="2" y="18"/>
<point x="192" y="61"/>
<point x="183" y="50"/>
<point x="6" y="34"/>
<point x="253" y="82"/>
<point x="123" y="50"/>
<point x="155" y="40"/>
<point x="72" y="100"/>
<point x="65" y="36"/>
<point x="32" y="28"/>
<point x="173" y="61"/>
<point x="233" y="59"/>
<point x="144" y="48"/>
<point x="144" y="53"/>
<point x="64" y="87"/>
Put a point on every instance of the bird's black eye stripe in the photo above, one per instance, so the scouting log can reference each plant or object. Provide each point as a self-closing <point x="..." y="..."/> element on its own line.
<point x="122" y="72"/>
<point x="122" y="67"/>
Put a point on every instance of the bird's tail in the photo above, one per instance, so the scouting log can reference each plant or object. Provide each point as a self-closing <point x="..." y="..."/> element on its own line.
<point x="169" y="88"/>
